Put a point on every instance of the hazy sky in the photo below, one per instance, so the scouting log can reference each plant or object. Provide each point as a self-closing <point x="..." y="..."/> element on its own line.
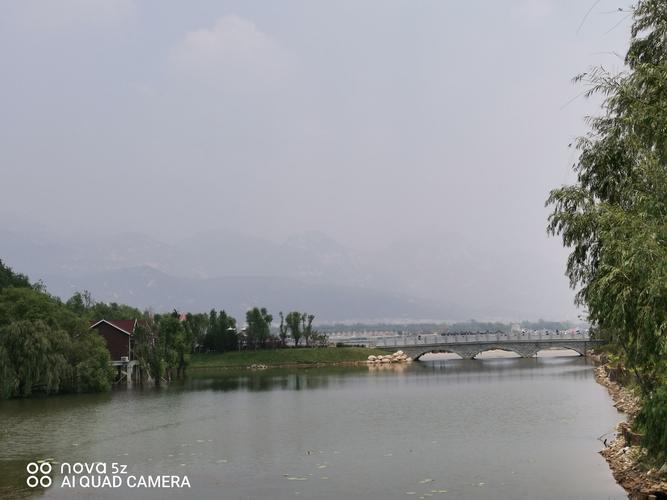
<point x="433" y="123"/>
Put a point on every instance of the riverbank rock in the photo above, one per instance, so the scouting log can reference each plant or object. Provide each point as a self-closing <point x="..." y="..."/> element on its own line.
<point x="626" y="458"/>
<point x="397" y="357"/>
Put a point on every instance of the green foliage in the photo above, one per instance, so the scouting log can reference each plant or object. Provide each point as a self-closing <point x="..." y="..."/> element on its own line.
<point x="35" y="358"/>
<point x="308" y="331"/>
<point x="652" y="421"/>
<point x="45" y="345"/>
<point x="282" y="329"/>
<point x="80" y="303"/>
<point x="196" y="327"/>
<point x="293" y="321"/>
<point x="90" y="358"/>
<point x="258" y="329"/>
<point x="281" y="357"/>
<point x="10" y="278"/>
<point x="163" y="345"/>
<point x="19" y="304"/>
<point x="221" y="333"/>
<point x="615" y="217"/>
<point x="111" y="311"/>
<point x="172" y="343"/>
<point x="7" y="376"/>
<point x="147" y="350"/>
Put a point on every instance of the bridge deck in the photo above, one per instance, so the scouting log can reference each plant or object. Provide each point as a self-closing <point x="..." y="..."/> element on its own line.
<point x="469" y="345"/>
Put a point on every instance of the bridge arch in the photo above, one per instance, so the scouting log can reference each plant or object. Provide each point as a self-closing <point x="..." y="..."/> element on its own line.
<point x="468" y="353"/>
<point x="436" y="350"/>
<point x="580" y="350"/>
<point x="504" y="349"/>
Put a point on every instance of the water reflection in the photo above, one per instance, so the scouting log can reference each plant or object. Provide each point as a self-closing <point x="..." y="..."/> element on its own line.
<point x="266" y="380"/>
<point x="454" y="371"/>
<point x="502" y="428"/>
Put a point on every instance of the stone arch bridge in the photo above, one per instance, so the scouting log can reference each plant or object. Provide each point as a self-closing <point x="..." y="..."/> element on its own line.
<point x="470" y="345"/>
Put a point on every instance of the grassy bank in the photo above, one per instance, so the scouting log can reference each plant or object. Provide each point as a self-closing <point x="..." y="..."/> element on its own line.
<point x="282" y="357"/>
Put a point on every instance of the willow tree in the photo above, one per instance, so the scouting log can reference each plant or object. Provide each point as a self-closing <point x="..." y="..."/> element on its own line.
<point x="33" y="358"/>
<point x="614" y="219"/>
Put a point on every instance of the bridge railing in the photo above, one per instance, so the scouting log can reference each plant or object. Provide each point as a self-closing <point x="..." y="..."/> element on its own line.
<point x="474" y="338"/>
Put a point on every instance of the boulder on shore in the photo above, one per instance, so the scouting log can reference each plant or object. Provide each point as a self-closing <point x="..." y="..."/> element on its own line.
<point x="397" y="357"/>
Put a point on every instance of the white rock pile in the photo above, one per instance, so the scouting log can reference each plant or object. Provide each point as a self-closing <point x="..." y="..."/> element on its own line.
<point x="397" y="357"/>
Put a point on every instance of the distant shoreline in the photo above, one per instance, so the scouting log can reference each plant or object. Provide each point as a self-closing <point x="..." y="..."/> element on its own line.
<point x="284" y="358"/>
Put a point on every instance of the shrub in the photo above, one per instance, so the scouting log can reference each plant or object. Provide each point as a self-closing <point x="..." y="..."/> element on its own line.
<point x="652" y="421"/>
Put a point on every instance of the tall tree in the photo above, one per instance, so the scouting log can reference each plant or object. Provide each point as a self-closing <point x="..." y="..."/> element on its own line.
<point x="173" y="345"/>
<point x="282" y="329"/>
<point x="196" y="327"/>
<point x="258" y="328"/>
<point x="147" y="350"/>
<point x="80" y="303"/>
<point x="228" y="333"/>
<point x="614" y="218"/>
<point x="221" y="335"/>
<point x="308" y="332"/>
<point x="293" y="321"/>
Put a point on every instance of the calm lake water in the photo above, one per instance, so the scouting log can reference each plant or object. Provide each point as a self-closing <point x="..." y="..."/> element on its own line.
<point x="504" y="428"/>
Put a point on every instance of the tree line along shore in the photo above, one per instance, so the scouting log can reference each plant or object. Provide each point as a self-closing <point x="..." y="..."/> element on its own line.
<point x="47" y="346"/>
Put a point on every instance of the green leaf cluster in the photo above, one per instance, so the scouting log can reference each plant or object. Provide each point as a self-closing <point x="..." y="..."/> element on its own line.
<point x="652" y="421"/>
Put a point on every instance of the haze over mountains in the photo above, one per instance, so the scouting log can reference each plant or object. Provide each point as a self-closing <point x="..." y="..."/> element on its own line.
<point x="231" y="270"/>
<point x="205" y="144"/>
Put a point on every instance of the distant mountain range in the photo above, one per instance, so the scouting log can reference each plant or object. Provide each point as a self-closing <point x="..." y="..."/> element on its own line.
<point x="425" y="276"/>
<point x="148" y="287"/>
<point x="309" y="272"/>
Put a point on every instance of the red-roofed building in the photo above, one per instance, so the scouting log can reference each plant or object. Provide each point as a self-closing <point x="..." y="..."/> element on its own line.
<point x="118" y="336"/>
